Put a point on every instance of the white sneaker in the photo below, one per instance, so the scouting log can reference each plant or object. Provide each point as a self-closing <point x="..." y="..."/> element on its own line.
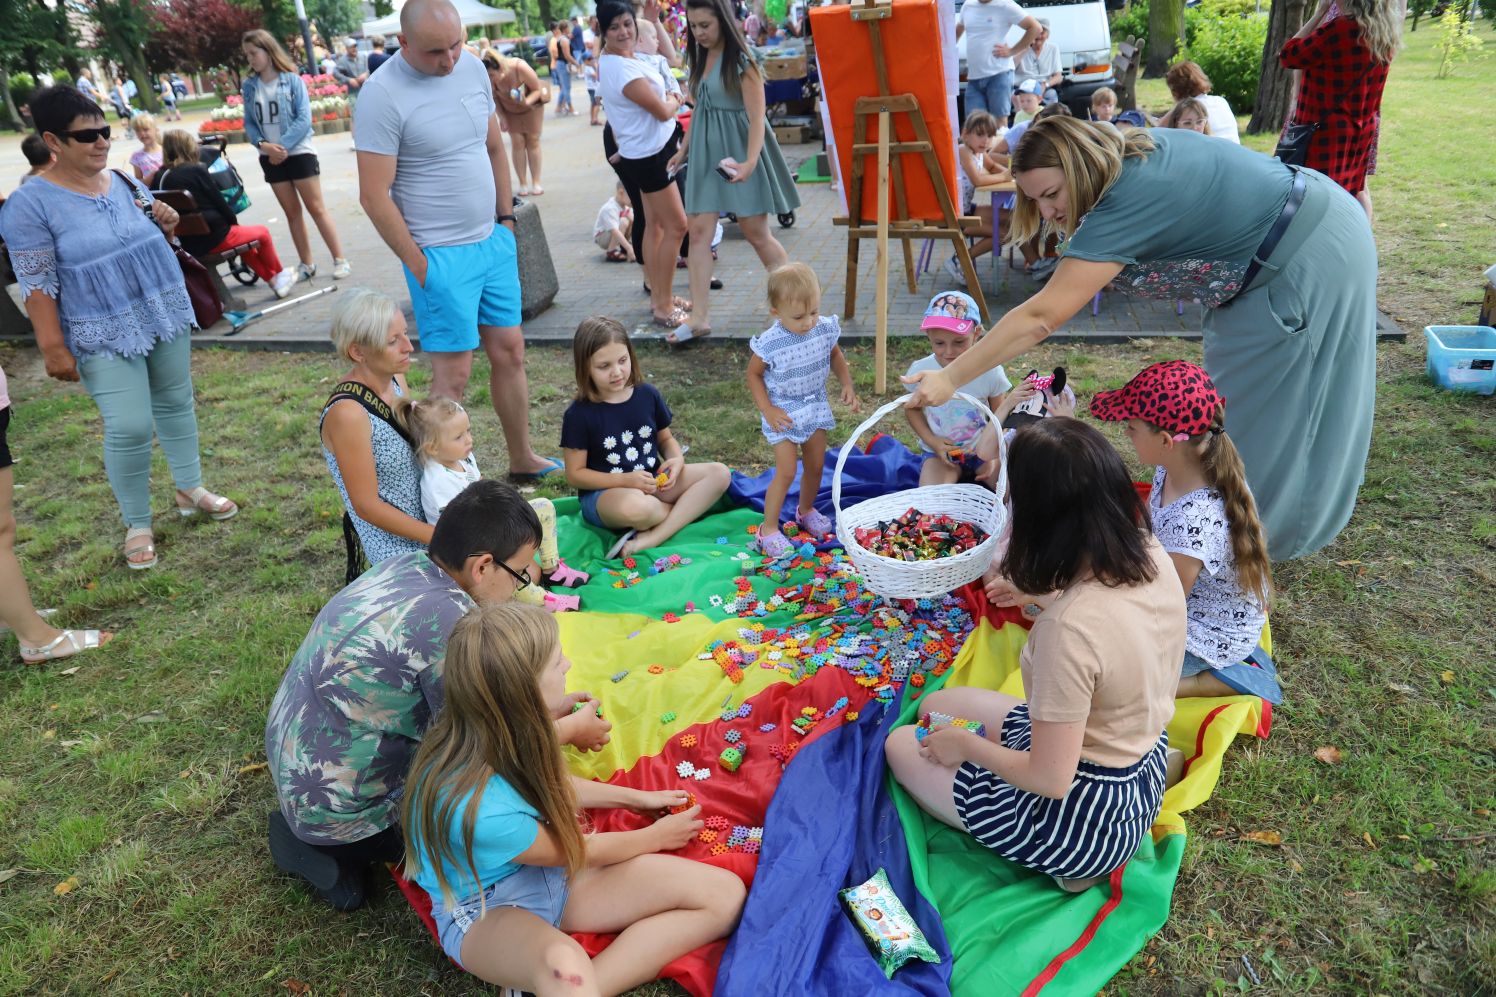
<point x="1043" y="269"/>
<point x="953" y="268"/>
<point x="341" y="268"/>
<point x="306" y="271"/>
<point x="282" y="283"/>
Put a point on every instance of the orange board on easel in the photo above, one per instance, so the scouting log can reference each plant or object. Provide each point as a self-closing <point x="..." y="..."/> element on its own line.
<point x="912" y="53"/>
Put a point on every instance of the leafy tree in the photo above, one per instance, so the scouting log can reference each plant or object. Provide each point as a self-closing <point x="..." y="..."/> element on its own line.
<point x="124" y="31"/>
<point x="1276" y="88"/>
<point x="334" y="18"/>
<point x="1165" y="30"/>
<point x="199" y="34"/>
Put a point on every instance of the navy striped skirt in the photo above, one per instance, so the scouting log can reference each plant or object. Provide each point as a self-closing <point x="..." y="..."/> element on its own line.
<point x="1092" y="830"/>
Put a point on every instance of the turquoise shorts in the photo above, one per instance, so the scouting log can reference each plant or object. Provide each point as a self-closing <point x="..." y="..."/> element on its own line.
<point x="466" y="286"/>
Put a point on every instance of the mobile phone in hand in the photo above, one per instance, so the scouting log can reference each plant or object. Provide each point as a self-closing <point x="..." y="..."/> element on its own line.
<point x="725" y="173"/>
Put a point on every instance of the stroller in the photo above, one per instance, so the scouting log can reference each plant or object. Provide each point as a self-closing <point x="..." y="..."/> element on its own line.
<point x="213" y="153"/>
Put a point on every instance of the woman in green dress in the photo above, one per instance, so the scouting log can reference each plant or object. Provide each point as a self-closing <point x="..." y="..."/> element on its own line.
<point x="1282" y="260"/>
<point x="736" y="162"/>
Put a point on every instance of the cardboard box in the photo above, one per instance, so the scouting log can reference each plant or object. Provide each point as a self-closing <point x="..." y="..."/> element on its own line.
<point x="793" y="134"/>
<point x="791" y="68"/>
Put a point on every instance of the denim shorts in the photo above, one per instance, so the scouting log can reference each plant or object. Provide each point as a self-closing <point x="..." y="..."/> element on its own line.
<point x="1256" y="676"/>
<point x="539" y="889"/>
<point x="466" y="286"/>
<point x="589" y="509"/>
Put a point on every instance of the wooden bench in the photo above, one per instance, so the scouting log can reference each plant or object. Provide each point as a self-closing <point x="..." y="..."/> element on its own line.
<point x="1125" y="70"/>
<point x="193" y="223"/>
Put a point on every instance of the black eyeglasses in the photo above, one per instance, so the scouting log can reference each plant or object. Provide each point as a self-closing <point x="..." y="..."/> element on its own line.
<point x="521" y="580"/>
<point x="88" y="136"/>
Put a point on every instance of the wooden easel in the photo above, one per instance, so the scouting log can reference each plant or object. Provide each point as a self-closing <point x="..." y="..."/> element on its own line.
<point x="883" y="107"/>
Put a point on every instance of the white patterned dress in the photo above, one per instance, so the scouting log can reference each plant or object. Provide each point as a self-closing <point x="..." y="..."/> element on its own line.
<point x="796" y="376"/>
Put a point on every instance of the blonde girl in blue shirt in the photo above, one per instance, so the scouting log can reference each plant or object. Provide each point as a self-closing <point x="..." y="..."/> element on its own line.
<point x="492" y="833"/>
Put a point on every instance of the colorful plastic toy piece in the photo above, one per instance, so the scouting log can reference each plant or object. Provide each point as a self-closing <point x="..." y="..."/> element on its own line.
<point x="707" y="834"/>
<point x="687" y="740"/>
<point x="719" y="849"/>
<point x="730" y="759"/>
<point x="685" y="770"/>
<point x="662" y="479"/>
<point x="751" y="846"/>
<point x="733" y="736"/>
<point x="690" y="801"/>
<point x="745" y="711"/>
<point x="667" y="717"/>
<point x="656" y="669"/>
<point x="933" y="719"/>
<point x="717" y="822"/>
<point x="620" y="676"/>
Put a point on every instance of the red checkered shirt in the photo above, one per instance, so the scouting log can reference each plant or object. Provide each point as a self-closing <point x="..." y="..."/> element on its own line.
<point x="1340" y="87"/>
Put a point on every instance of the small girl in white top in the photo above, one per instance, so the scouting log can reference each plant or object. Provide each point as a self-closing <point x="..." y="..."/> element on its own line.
<point x="787" y="378"/>
<point x="1206" y="519"/>
<point x="444" y="447"/>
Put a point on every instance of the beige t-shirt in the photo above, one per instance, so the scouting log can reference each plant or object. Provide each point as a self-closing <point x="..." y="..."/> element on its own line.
<point x="1110" y="657"/>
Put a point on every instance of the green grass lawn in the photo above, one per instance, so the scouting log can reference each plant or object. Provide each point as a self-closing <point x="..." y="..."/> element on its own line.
<point x="135" y="769"/>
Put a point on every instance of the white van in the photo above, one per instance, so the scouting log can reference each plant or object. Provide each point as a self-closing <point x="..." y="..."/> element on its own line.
<point x="1082" y="33"/>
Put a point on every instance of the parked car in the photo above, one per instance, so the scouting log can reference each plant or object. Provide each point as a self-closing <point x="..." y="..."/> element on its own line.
<point x="1081" y="30"/>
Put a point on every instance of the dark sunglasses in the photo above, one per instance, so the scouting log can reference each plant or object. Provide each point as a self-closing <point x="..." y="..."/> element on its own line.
<point x="521" y="581"/>
<point x="88" y="136"/>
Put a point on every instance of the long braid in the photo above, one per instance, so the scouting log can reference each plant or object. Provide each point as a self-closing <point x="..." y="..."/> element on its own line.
<point x="1224" y="471"/>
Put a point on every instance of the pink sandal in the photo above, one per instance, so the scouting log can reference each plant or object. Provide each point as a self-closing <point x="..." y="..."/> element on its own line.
<point x="562" y="603"/>
<point x="564" y="576"/>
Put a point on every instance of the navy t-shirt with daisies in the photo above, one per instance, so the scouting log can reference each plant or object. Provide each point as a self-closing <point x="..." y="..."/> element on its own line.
<point x="618" y="436"/>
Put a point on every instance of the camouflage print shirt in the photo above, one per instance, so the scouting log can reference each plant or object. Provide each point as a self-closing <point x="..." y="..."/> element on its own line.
<point x="358" y="695"/>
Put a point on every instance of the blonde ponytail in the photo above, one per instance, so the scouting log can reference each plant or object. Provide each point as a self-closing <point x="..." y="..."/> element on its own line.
<point x="1225" y="473"/>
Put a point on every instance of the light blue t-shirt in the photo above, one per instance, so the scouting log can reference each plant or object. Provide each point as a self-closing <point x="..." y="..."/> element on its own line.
<point x="957" y="420"/>
<point x="505" y="827"/>
<point x="437" y="128"/>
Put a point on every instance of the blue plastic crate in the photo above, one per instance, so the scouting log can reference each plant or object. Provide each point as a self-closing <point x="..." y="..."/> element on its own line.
<point x="1462" y="357"/>
<point x="779" y="91"/>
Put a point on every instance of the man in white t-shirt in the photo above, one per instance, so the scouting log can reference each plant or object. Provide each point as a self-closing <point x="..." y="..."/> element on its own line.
<point x="434" y="179"/>
<point x="1042" y="63"/>
<point x="989" y="59"/>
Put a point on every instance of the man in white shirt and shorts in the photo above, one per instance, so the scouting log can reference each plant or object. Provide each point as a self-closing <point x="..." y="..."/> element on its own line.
<point x="989" y="59"/>
<point x="434" y="180"/>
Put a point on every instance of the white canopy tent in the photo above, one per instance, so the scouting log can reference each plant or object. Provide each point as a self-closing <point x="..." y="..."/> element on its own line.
<point x="472" y="12"/>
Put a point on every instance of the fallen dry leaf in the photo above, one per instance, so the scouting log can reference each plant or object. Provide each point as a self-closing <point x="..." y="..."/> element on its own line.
<point x="256" y="767"/>
<point x="1447" y="677"/>
<point x="1294" y="865"/>
<point x="153" y="717"/>
<point x="66" y="886"/>
<point x="1366" y="837"/>
<point x="1264" y="837"/>
<point x="1328" y="754"/>
<point x="69" y="671"/>
<point x="47" y="735"/>
<point x="1406" y="690"/>
<point x="296" y="986"/>
<point x="1425" y="866"/>
<point x="8" y="874"/>
<point x="69" y="744"/>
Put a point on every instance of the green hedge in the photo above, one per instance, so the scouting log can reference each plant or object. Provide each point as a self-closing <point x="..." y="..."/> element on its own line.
<point x="1224" y="36"/>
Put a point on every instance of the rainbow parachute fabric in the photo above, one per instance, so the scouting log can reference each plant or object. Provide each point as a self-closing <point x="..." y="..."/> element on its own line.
<point x="802" y="674"/>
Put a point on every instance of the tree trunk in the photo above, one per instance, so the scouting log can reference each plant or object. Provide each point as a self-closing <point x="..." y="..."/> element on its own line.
<point x="12" y="116"/>
<point x="546" y="19"/>
<point x="1165" y="31"/>
<point x="146" y="97"/>
<point x="1276" y="90"/>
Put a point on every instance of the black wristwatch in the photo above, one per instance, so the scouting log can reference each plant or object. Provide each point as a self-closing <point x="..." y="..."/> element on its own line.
<point x="500" y="219"/>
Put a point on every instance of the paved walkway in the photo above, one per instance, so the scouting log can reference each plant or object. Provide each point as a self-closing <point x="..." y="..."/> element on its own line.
<point x="577" y="180"/>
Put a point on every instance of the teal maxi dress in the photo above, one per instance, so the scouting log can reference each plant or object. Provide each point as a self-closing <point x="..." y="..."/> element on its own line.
<point x="1294" y="354"/>
<point x="719" y="128"/>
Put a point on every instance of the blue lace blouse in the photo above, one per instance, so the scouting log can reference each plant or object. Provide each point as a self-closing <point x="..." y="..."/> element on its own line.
<point x="116" y="281"/>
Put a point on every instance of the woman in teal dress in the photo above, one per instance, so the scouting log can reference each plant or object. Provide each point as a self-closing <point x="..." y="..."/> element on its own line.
<point x="1282" y="260"/>
<point x="736" y="164"/>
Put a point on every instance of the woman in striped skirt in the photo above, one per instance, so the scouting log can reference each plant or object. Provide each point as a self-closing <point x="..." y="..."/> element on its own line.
<point x="1069" y="781"/>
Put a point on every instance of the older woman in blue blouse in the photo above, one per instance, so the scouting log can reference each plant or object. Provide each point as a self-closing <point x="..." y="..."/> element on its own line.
<point x="105" y="296"/>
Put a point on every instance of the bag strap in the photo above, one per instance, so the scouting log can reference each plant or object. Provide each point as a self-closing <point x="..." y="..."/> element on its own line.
<point x="372" y="403"/>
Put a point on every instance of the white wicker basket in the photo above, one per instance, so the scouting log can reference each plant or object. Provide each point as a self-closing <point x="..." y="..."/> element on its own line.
<point x="896" y="579"/>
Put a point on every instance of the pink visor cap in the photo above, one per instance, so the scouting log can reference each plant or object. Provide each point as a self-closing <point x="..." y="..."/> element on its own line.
<point x="953" y="311"/>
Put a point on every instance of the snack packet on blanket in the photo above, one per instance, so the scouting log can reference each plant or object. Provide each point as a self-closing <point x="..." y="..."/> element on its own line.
<point x="890" y="933"/>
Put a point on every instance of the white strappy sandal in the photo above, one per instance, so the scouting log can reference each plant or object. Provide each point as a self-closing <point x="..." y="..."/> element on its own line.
<point x="67" y="644"/>
<point x="200" y="500"/>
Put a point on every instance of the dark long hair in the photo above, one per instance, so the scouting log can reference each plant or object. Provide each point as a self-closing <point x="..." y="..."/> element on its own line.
<point x="736" y="55"/>
<point x="1074" y="510"/>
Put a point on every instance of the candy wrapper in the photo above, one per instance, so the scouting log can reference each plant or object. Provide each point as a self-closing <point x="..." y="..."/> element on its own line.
<point x="890" y="933"/>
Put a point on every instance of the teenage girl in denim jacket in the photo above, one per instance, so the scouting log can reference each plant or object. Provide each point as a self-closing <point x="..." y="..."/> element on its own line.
<point x="278" y="123"/>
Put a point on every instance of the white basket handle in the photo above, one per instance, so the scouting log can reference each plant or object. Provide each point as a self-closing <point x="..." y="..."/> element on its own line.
<point x="887" y="407"/>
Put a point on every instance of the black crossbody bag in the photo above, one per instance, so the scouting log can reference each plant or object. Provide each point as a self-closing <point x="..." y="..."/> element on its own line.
<point x="358" y="563"/>
<point x="1293" y="144"/>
